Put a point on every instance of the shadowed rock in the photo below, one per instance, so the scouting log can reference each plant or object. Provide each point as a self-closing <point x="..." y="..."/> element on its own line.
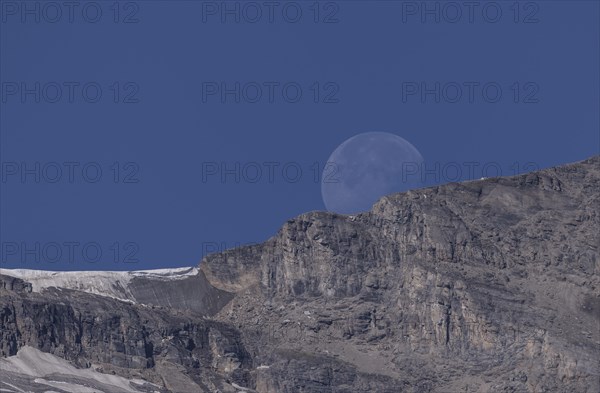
<point x="192" y="293"/>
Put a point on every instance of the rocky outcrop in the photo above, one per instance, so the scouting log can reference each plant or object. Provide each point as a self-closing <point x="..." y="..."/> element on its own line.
<point x="192" y="293"/>
<point x="478" y="286"/>
<point x="10" y="283"/>
<point x="481" y="286"/>
<point x="158" y="344"/>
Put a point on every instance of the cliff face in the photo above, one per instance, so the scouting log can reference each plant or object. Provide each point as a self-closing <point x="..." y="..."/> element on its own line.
<point x="182" y="351"/>
<point x="486" y="285"/>
<point x="481" y="286"/>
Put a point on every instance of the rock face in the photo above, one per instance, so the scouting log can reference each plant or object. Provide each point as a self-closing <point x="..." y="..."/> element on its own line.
<point x="483" y="286"/>
<point x="179" y="288"/>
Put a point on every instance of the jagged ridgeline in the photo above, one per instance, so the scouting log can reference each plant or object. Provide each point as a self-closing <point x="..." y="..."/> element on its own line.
<point x="482" y="286"/>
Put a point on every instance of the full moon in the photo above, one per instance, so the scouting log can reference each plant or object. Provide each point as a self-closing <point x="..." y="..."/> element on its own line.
<point x="366" y="167"/>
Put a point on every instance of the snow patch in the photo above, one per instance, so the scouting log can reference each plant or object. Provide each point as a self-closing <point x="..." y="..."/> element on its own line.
<point x="45" y="368"/>
<point x="114" y="284"/>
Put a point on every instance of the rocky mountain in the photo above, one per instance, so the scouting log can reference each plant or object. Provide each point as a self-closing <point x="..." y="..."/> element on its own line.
<point x="482" y="286"/>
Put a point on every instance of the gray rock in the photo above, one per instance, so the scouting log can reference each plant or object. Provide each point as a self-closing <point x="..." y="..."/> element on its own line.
<point x="487" y="285"/>
<point x="192" y="293"/>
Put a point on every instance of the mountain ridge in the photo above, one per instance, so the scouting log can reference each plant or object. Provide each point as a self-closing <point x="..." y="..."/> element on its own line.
<point x="487" y="285"/>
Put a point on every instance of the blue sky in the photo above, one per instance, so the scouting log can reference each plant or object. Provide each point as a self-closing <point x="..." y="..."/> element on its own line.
<point x="132" y="136"/>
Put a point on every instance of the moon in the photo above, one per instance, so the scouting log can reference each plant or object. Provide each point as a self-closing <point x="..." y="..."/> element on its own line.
<point x="366" y="167"/>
